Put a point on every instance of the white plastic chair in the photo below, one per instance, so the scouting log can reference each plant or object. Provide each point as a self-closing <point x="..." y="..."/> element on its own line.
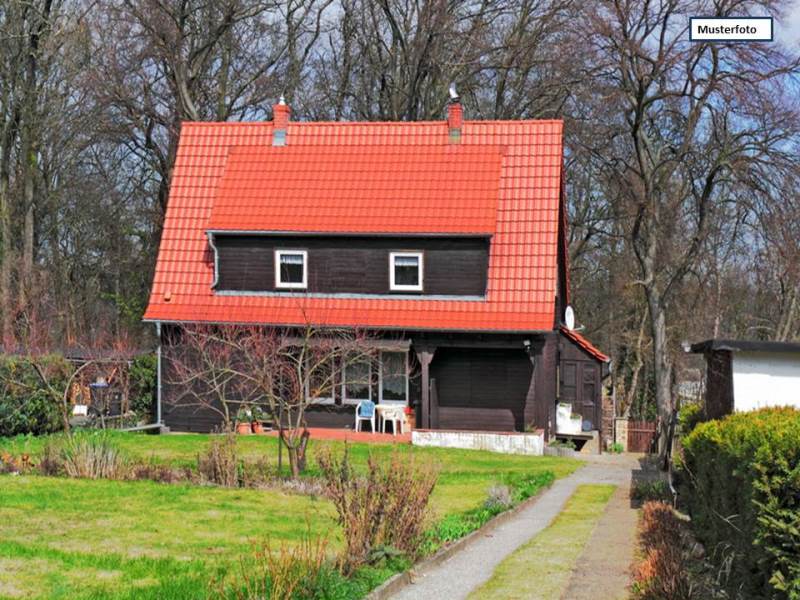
<point x="365" y="411"/>
<point x="397" y="419"/>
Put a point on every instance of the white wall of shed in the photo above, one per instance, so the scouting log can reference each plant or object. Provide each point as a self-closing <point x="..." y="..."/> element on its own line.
<point x="765" y="379"/>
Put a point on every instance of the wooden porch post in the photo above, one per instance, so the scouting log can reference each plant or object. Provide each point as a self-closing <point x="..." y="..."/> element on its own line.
<point x="425" y="356"/>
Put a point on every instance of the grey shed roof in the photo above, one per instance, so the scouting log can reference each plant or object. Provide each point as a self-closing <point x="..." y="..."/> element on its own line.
<point x="713" y="345"/>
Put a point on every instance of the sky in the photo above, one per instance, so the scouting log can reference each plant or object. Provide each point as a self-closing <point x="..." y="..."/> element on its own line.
<point x="788" y="32"/>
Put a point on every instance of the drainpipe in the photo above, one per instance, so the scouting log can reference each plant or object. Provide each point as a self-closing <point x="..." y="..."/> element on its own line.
<point x="215" y="280"/>
<point x="158" y="375"/>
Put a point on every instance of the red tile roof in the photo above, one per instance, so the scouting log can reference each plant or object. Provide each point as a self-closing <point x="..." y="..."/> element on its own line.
<point x="585" y="344"/>
<point x="357" y="189"/>
<point x="522" y="278"/>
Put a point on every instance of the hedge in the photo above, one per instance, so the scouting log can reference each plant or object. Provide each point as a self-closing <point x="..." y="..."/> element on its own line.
<point x="742" y="487"/>
<point x="25" y="406"/>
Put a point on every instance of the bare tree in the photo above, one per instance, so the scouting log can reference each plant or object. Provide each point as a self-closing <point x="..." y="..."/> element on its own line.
<point x="224" y="369"/>
<point x="292" y="369"/>
<point x="684" y="122"/>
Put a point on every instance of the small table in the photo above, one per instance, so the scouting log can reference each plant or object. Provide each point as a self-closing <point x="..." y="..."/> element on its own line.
<point x="390" y="412"/>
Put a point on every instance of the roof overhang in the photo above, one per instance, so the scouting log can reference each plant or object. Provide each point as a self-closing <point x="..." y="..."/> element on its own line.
<point x="715" y="345"/>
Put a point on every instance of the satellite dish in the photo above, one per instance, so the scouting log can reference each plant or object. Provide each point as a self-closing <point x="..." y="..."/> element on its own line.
<point x="569" y="318"/>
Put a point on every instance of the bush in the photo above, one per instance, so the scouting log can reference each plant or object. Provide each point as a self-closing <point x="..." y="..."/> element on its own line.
<point x="645" y="491"/>
<point x="300" y="572"/>
<point x="663" y="573"/>
<point x="383" y="510"/>
<point x="142" y="382"/>
<point x="25" y="405"/>
<point x="742" y="487"/>
<point x="689" y="417"/>
<point x="220" y="464"/>
<point x="91" y="455"/>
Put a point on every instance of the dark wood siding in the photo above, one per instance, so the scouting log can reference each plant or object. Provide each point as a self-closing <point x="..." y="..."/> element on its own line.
<point x="719" y="384"/>
<point x="481" y="389"/>
<point x="452" y="266"/>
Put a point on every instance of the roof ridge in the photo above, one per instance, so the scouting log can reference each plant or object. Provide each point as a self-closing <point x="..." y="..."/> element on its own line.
<point x="443" y="123"/>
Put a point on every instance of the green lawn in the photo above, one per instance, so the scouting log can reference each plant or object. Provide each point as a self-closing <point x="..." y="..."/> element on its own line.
<point x="66" y="538"/>
<point x="541" y="568"/>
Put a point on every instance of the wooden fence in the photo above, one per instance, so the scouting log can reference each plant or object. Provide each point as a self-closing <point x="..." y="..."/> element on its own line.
<point x="641" y="435"/>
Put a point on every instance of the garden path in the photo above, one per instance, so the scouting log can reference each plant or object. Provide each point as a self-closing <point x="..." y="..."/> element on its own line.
<point x="466" y="570"/>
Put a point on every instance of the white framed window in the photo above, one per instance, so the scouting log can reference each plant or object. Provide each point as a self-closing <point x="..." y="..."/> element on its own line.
<point x="320" y="383"/>
<point x="357" y="382"/>
<point x="291" y="269"/>
<point x="393" y="378"/>
<point x="405" y="271"/>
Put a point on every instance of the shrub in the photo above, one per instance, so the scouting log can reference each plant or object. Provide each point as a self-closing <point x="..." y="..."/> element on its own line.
<point x="616" y="448"/>
<point x="499" y="498"/>
<point x="300" y="572"/>
<point x="689" y="417"/>
<point x="742" y="487"/>
<point x="282" y="574"/>
<point x="25" y="405"/>
<point x="142" y="382"/>
<point x="385" y="508"/>
<point x="91" y="455"/>
<point x="663" y="573"/>
<point x="158" y="472"/>
<point x="220" y="464"/>
<point x="644" y="491"/>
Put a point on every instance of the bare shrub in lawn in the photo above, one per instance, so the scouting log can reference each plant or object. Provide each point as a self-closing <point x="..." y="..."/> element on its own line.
<point x="219" y="464"/>
<point x="92" y="456"/>
<point x="157" y="472"/>
<point x="289" y="572"/>
<point x="51" y="463"/>
<point x="384" y="508"/>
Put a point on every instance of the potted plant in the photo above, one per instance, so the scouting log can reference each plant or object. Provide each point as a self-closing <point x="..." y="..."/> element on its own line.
<point x="411" y="421"/>
<point x="244" y="421"/>
<point x="258" y="420"/>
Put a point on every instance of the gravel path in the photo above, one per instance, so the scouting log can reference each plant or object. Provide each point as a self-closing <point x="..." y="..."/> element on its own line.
<point x="455" y="578"/>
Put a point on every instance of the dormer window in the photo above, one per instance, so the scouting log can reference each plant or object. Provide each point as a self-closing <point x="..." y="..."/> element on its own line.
<point x="405" y="271"/>
<point x="291" y="269"/>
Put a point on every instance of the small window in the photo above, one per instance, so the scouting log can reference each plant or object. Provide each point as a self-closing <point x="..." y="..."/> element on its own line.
<point x="291" y="268"/>
<point x="405" y="271"/>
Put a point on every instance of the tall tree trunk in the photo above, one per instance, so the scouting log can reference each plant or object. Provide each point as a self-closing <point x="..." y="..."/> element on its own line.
<point x="662" y="363"/>
<point x="6" y="258"/>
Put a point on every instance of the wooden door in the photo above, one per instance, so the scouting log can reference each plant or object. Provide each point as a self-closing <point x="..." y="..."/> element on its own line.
<point x="579" y="386"/>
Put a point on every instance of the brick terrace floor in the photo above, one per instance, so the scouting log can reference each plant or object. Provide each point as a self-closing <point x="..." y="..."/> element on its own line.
<point x="324" y="433"/>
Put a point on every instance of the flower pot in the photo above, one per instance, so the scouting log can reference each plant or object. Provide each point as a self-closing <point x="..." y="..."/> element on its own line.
<point x="258" y="427"/>
<point x="244" y="428"/>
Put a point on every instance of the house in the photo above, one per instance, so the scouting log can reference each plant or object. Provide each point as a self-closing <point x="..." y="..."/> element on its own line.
<point x="447" y="237"/>
<point x="746" y="375"/>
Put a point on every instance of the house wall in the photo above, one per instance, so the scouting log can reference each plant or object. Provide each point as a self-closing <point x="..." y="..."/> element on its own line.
<point x="338" y="264"/>
<point x="478" y="388"/>
<point x="481" y="389"/>
<point x="765" y="379"/>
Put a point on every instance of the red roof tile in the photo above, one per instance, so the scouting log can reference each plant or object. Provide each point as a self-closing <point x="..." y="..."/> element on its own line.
<point x="585" y="344"/>
<point x="357" y="189"/>
<point x="507" y="174"/>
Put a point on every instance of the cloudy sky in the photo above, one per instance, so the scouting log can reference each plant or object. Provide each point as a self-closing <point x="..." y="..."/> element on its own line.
<point x="789" y="31"/>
